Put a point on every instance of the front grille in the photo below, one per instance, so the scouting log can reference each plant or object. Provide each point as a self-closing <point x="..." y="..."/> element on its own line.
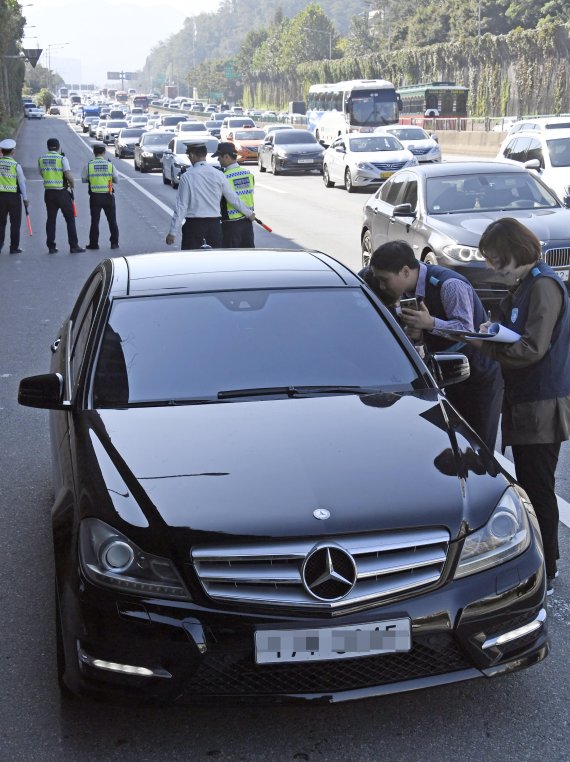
<point x="229" y="669"/>
<point x="557" y="257"/>
<point x="388" y="166"/>
<point x="253" y="149"/>
<point x="419" y="151"/>
<point x="297" y="156"/>
<point x="271" y="574"/>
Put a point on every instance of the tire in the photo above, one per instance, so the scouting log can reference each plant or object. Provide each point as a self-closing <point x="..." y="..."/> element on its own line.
<point x="348" y="181"/>
<point x="142" y="168"/>
<point x="60" y="651"/>
<point x="274" y="169"/>
<point x="429" y="258"/>
<point x="173" y="182"/>
<point x="164" y="180"/>
<point x="326" y="179"/>
<point x="261" y="167"/>
<point x="366" y="248"/>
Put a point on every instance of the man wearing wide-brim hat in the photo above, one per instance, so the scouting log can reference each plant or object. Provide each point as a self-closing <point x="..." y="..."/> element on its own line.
<point x="12" y="190"/>
<point x="197" y="209"/>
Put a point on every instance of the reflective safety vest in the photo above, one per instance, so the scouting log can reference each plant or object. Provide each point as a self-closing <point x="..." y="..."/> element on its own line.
<point x="51" y="169"/>
<point x="100" y="176"/>
<point x="8" y="176"/>
<point x="242" y="182"/>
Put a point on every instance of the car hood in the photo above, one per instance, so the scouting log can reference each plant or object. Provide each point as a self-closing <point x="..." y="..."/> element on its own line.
<point x="382" y="157"/>
<point x="261" y="468"/>
<point x="467" y="227"/>
<point x="299" y="147"/>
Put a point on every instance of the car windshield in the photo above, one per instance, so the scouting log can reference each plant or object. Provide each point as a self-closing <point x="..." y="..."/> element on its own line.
<point x="192" y="127"/>
<point x="115" y="124"/>
<point x="193" y="346"/>
<point x="211" y="145"/>
<point x="294" y="137"/>
<point x="241" y="123"/>
<point x="409" y="133"/>
<point x="131" y="133"/>
<point x="159" y="138"/>
<point x="375" y="143"/>
<point x="559" y="150"/>
<point x="249" y="135"/>
<point x="486" y="191"/>
<point x="169" y="121"/>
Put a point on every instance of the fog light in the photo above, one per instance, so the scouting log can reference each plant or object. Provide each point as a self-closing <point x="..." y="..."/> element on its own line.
<point x="125" y="669"/>
<point x="520" y="632"/>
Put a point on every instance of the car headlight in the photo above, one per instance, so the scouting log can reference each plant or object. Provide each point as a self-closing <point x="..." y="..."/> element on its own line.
<point x="462" y="253"/>
<point x="147" y="154"/>
<point x="281" y="154"/>
<point x="109" y="558"/>
<point x="368" y="167"/>
<point x="504" y="536"/>
<point x="413" y="162"/>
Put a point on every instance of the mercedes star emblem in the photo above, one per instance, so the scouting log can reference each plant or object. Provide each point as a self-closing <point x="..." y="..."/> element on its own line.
<point x="329" y="573"/>
<point x="322" y="514"/>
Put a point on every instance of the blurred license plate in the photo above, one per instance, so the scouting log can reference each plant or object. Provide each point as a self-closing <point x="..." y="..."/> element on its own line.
<point x="305" y="161"/>
<point x="384" y="175"/>
<point x="563" y="274"/>
<point x="278" y="646"/>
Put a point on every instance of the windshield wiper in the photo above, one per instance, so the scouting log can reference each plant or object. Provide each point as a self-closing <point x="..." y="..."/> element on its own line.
<point x="171" y="403"/>
<point x="296" y="391"/>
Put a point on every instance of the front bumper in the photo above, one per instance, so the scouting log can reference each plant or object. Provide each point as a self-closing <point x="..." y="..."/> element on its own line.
<point x="483" y="625"/>
<point x="288" y="164"/>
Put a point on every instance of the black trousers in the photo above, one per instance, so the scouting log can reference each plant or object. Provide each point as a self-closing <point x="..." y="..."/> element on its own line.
<point x="103" y="202"/>
<point x="238" y="234"/>
<point x="59" y="200"/>
<point x="535" y="466"/>
<point x="10" y="205"/>
<point x="198" y="231"/>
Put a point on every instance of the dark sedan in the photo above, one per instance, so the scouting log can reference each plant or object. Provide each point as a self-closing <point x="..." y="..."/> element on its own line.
<point x="290" y="151"/>
<point x="441" y="210"/>
<point x="234" y="512"/>
<point x="126" y="140"/>
<point x="150" y="149"/>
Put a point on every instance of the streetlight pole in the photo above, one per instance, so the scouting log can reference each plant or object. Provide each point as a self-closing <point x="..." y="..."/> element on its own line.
<point x="48" y="56"/>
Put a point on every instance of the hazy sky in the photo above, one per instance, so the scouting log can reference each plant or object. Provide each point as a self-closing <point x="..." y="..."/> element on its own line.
<point x="103" y="35"/>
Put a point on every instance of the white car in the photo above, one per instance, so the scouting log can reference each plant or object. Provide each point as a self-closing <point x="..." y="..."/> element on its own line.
<point x="359" y="160"/>
<point x="112" y="129"/>
<point x="192" y="129"/>
<point x="423" y="145"/>
<point x="137" y="120"/>
<point x="175" y="160"/>
<point x="547" y="153"/>
<point x="539" y="124"/>
<point x="35" y="113"/>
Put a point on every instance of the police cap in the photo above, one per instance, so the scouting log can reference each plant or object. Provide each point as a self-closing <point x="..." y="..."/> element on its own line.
<point x="197" y="147"/>
<point x="8" y="144"/>
<point x="226" y="148"/>
<point x="53" y="144"/>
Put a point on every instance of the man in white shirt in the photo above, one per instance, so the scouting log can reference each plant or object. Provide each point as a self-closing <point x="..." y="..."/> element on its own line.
<point x="197" y="208"/>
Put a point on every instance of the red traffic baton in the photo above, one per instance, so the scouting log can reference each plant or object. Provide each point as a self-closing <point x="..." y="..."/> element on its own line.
<point x="73" y="202"/>
<point x="263" y="225"/>
<point x="29" y="223"/>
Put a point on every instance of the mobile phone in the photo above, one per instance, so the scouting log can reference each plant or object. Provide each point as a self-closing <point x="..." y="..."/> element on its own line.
<point x="409" y="304"/>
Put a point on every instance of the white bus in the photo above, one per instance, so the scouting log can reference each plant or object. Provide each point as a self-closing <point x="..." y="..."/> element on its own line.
<point x="358" y="105"/>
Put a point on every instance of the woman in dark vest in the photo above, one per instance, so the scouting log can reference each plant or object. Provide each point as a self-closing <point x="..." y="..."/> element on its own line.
<point x="536" y="369"/>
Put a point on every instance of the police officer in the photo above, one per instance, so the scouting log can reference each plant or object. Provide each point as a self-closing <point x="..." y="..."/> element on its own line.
<point x="57" y="177"/>
<point x="237" y="230"/>
<point x="101" y="175"/>
<point x="12" y="186"/>
<point x="198" y="203"/>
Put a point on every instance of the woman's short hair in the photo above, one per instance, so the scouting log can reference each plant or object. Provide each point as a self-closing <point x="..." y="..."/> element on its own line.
<point x="507" y="239"/>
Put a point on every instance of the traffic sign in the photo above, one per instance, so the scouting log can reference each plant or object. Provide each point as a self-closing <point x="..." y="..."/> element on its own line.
<point x="113" y="75"/>
<point x="32" y="55"/>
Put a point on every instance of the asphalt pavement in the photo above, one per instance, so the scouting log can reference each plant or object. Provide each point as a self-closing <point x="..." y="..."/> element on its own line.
<point x="521" y="717"/>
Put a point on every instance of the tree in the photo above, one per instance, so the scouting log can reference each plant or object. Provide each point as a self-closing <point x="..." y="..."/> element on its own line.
<point x="44" y="98"/>
<point x="310" y="36"/>
<point x="11" y="64"/>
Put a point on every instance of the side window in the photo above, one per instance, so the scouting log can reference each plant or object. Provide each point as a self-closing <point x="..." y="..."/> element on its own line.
<point x="534" y="151"/>
<point x="385" y="191"/>
<point x="171" y="145"/>
<point x="518" y="150"/>
<point x="81" y="322"/>
<point x="394" y="192"/>
<point x="410" y="194"/>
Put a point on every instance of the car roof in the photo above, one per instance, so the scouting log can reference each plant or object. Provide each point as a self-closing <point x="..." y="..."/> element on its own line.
<point x="465" y="168"/>
<point x="562" y="133"/>
<point x="164" y="272"/>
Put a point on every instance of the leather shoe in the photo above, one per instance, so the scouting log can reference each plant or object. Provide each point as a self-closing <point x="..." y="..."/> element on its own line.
<point x="76" y="250"/>
<point x="52" y="250"/>
<point x="92" y="246"/>
<point x="17" y="250"/>
<point x="114" y="245"/>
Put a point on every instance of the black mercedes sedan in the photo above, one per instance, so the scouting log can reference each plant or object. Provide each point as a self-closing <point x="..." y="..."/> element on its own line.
<point x="150" y="149"/>
<point x="441" y="210"/>
<point x="261" y="492"/>
<point x="292" y="150"/>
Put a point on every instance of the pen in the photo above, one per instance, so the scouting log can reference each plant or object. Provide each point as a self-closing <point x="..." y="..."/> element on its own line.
<point x="489" y="316"/>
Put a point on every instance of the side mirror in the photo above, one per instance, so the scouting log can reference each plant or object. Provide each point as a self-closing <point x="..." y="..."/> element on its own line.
<point x="566" y="202"/>
<point x="433" y="136"/>
<point x="44" y="391"/>
<point x="450" y="368"/>
<point x="532" y="164"/>
<point x="403" y="210"/>
<point x="340" y="149"/>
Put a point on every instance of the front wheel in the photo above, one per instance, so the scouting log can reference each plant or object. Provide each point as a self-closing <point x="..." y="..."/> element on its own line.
<point x="260" y="165"/>
<point x="165" y="180"/>
<point x="274" y="169"/>
<point x="429" y="258"/>
<point x="366" y="248"/>
<point x="348" y="181"/>
<point x="326" y="178"/>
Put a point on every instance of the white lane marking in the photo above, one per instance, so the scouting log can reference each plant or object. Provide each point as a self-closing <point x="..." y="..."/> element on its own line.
<point x="563" y="506"/>
<point x="269" y="188"/>
<point x="169" y="210"/>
